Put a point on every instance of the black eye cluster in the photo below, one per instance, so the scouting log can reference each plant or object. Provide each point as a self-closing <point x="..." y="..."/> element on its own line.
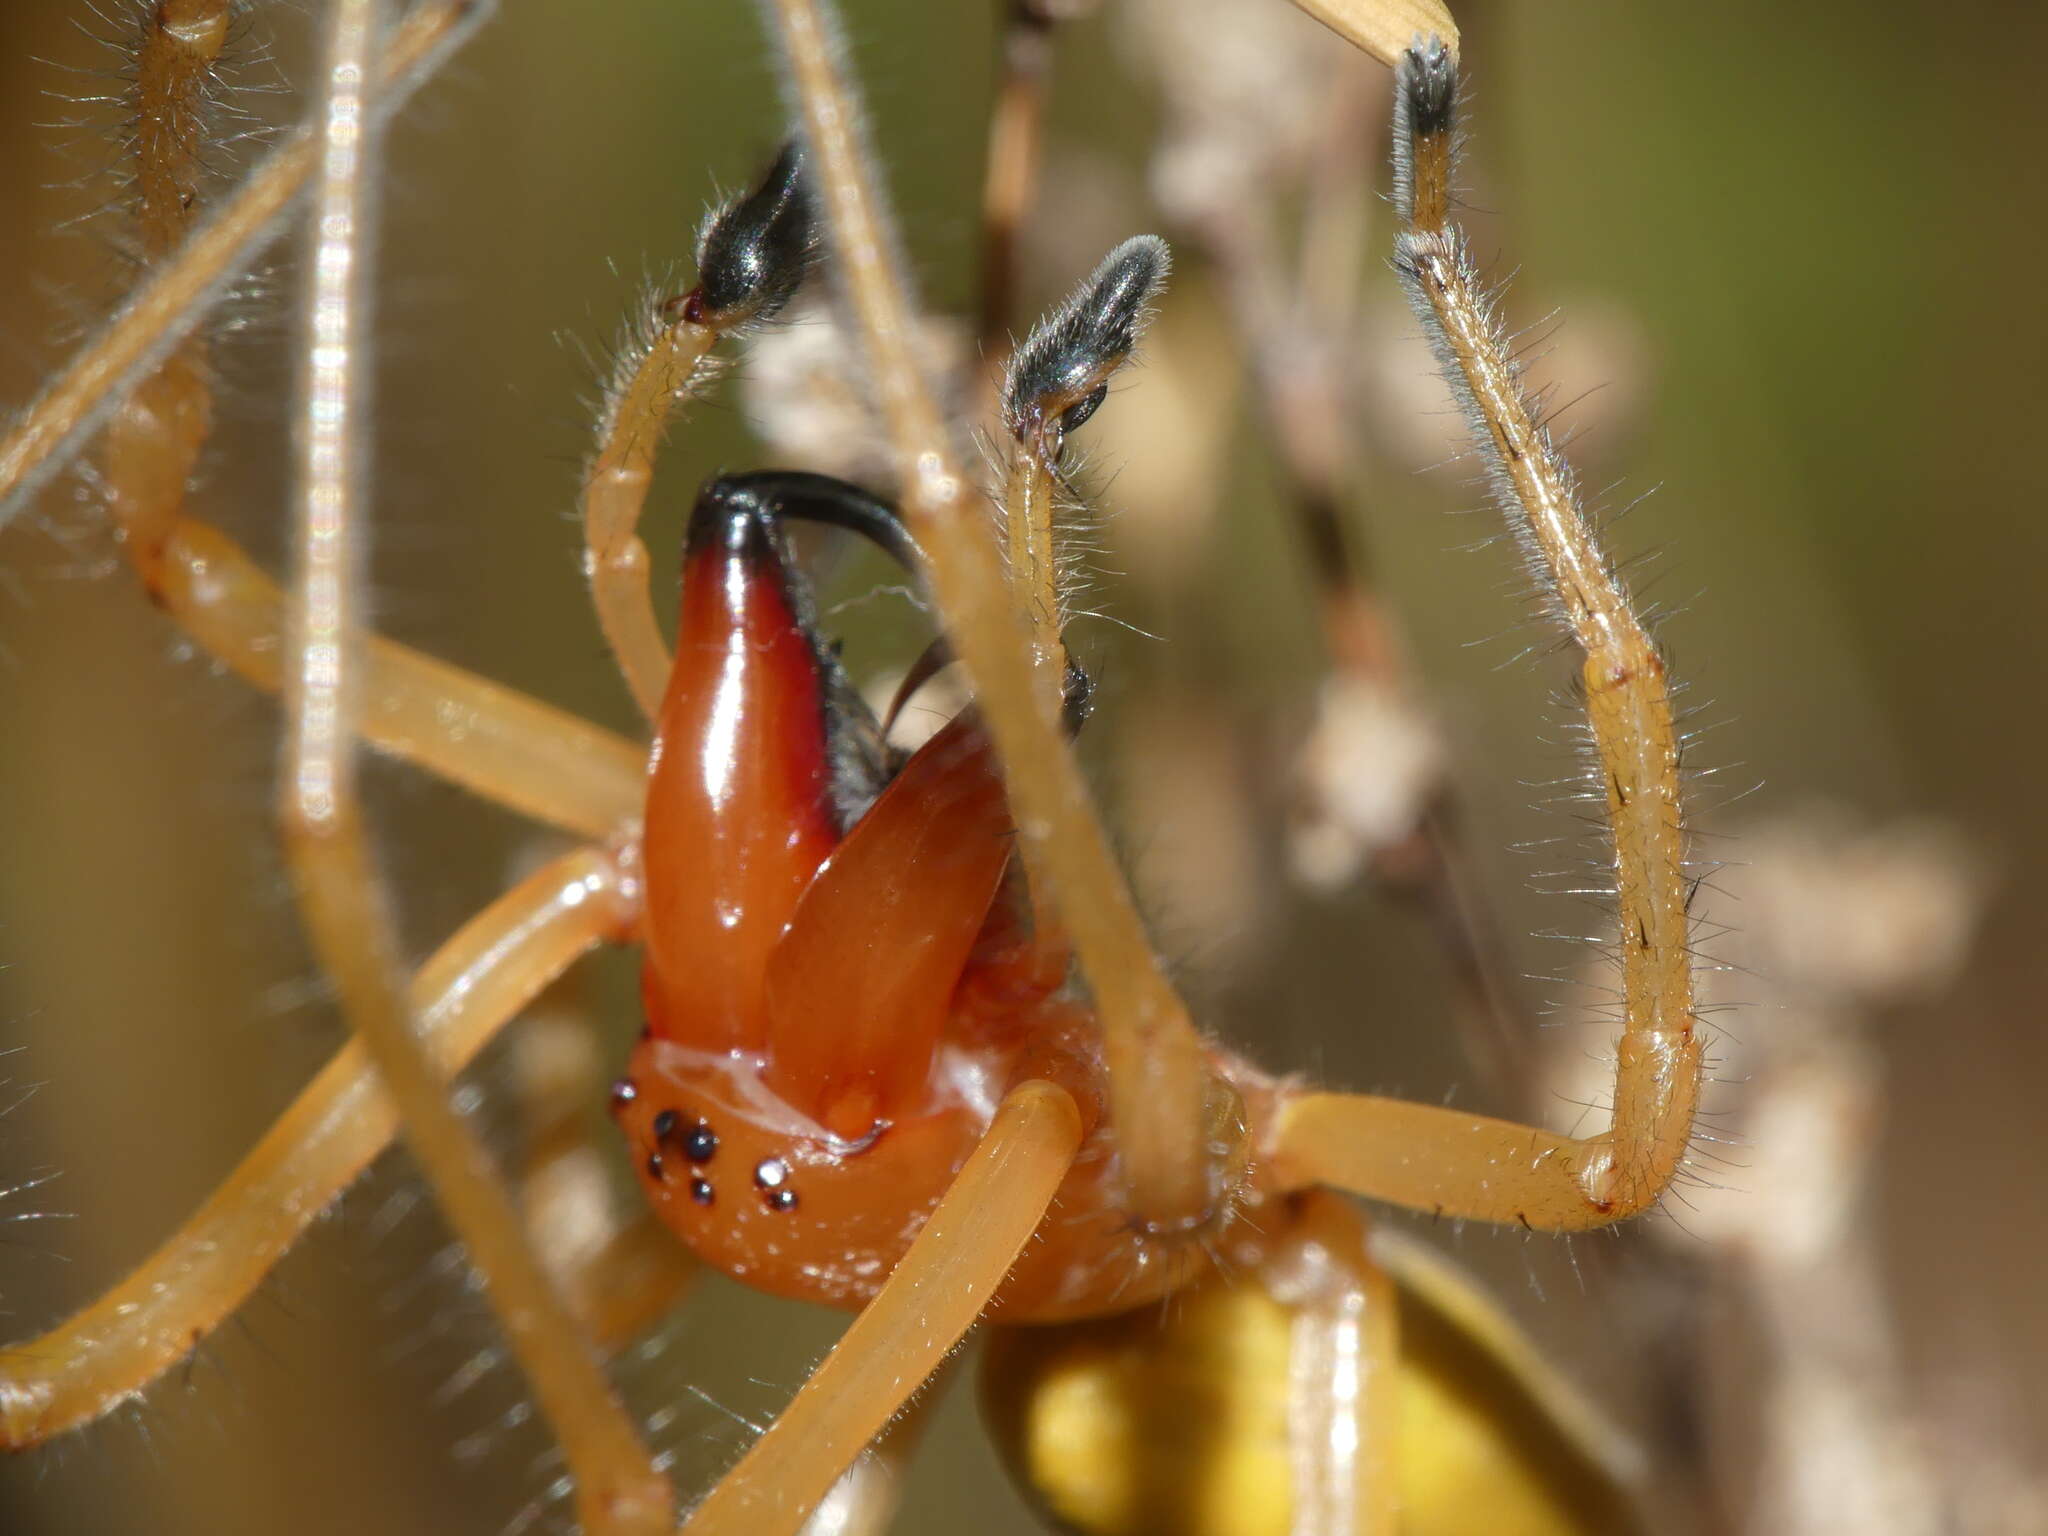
<point x="696" y="1143"/>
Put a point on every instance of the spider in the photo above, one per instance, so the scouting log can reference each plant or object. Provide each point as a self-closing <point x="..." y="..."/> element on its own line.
<point x="1165" y="1155"/>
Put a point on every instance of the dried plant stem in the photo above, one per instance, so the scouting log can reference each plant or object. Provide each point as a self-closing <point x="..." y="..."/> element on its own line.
<point x="1160" y="1084"/>
<point x="619" y="1489"/>
<point x="1016" y="144"/>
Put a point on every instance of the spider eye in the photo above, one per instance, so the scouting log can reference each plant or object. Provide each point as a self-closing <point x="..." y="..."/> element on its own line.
<point x="753" y="253"/>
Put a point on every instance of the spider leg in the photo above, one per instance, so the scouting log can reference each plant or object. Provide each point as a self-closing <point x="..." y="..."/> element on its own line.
<point x="619" y="1489"/>
<point x="56" y="424"/>
<point x="752" y="256"/>
<point x="481" y="978"/>
<point x="531" y="757"/>
<point x="1440" y="1159"/>
<point x="929" y="1302"/>
<point x="668" y="367"/>
<point x="525" y="755"/>
<point x="1164" y="1098"/>
<point x="1343" y="1383"/>
<point x="864" y="1500"/>
<point x="1341" y="1388"/>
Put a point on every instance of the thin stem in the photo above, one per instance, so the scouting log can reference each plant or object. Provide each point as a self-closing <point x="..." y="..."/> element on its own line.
<point x="1016" y="143"/>
<point x="619" y="1490"/>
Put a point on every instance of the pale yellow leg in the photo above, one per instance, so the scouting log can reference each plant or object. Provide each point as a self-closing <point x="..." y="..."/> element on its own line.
<point x="1443" y="1160"/>
<point x="1343" y="1373"/>
<point x="619" y="1490"/>
<point x="863" y="1502"/>
<point x="1247" y="1405"/>
<point x="928" y="1303"/>
<point x="479" y="979"/>
<point x="532" y="758"/>
<point x="671" y="367"/>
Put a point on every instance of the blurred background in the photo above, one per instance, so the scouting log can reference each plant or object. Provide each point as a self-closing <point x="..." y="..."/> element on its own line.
<point x="1792" y="253"/>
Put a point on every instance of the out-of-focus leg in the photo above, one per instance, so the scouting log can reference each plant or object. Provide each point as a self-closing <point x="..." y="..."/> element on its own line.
<point x="53" y="427"/>
<point x="479" y="979"/>
<point x="619" y="1489"/>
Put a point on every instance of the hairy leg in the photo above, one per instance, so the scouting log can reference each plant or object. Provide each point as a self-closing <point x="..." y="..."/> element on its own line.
<point x="338" y="1125"/>
<point x="1440" y="1159"/>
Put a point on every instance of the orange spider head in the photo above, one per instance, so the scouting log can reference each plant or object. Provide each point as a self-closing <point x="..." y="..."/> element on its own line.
<point x="795" y="1103"/>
